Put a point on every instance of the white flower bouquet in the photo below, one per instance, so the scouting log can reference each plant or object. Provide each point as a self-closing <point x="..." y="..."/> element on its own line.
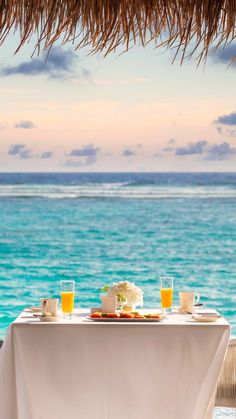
<point x="126" y="292"/>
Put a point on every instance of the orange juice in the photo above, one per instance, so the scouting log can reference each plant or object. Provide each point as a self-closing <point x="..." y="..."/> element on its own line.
<point x="67" y="301"/>
<point x="166" y="297"/>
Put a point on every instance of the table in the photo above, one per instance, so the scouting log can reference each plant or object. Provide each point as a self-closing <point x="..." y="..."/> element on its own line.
<point x="80" y="369"/>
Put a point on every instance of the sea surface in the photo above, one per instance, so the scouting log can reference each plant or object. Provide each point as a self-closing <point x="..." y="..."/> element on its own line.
<point x="100" y="228"/>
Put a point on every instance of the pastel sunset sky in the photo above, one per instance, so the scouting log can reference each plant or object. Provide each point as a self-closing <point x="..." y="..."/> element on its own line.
<point x="127" y="112"/>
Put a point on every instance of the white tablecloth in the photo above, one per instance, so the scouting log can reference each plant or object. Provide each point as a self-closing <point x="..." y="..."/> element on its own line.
<point x="85" y="370"/>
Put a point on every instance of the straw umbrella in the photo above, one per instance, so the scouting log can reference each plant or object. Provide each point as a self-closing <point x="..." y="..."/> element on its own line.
<point x="103" y="25"/>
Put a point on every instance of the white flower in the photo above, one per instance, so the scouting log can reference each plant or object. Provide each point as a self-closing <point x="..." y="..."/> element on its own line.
<point x="128" y="292"/>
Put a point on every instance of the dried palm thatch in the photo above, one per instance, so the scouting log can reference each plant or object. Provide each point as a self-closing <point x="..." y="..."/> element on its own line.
<point x="106" y="24"/>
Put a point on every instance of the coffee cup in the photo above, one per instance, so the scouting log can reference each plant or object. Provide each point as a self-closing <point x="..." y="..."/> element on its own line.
<point x="187" y="300"/>
<point x="49" y="306"/>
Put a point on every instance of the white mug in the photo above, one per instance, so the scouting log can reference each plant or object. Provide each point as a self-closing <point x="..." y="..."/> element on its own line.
<point x="187" y="300"/>
<point x="49" y="306"/>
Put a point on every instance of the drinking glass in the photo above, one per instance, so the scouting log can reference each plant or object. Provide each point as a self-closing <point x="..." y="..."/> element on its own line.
<point x="67" y="298"/>
<point x="166" y="291"/>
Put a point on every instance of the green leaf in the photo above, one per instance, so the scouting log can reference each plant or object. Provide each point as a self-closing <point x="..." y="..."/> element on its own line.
<point x="105" y="288"/>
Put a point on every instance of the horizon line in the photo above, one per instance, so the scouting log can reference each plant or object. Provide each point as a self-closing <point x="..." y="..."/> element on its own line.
<point x="119" y="172"/>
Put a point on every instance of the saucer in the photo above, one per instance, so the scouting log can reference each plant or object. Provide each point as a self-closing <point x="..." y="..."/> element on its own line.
<point x="205" y="318"/>
<point x="33" y="309"/>
<point x="47" y="318"/>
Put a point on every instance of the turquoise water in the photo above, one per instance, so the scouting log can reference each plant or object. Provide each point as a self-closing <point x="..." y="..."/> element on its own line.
<point x="97" y="229"/>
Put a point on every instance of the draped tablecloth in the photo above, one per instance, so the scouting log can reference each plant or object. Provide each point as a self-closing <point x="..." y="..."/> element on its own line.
<point x="80" y="369"/>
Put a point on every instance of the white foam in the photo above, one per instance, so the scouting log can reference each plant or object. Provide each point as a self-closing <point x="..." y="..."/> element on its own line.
<point x="116" y="190"/>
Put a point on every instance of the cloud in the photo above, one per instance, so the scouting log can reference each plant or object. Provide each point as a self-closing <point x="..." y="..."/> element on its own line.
<point x="86" y="151"/>
<point x="221" y="151"/>
<point x="128" y="152"/>
<point x="20" y="151"/>
<point x="229" y="119"/>
<point x="78" y="163"/>
<point x="24" y="124"/>
<point x="167" y="149"/>
<point x="224" y="55"/>
<point x="87" y="155"/>
<point x="58" y="64"/>
<point x="193" y="148"/>
<point x="229" y="132"/>
<point x="15" y="149"/>
<point x="25" y="153"/>
<point x="45" y="155"/>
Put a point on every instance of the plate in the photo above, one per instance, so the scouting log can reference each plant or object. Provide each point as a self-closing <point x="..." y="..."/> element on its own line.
<point x="125" y="320"/>
<point x="205" y="318"/>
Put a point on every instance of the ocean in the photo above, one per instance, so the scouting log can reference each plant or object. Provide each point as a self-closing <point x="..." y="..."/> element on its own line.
<point x="100" y="228"/>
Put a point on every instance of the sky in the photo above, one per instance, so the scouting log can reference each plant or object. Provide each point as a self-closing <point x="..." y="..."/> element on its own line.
<point x="128" y="112"/>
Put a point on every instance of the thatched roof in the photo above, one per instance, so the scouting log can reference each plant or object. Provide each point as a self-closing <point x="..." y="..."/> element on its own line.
<point x="106" y="24"/>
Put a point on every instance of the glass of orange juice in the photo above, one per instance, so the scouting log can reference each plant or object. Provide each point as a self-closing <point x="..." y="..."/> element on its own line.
<point x="166" y="291"/>
<point x="67" y="298"/>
